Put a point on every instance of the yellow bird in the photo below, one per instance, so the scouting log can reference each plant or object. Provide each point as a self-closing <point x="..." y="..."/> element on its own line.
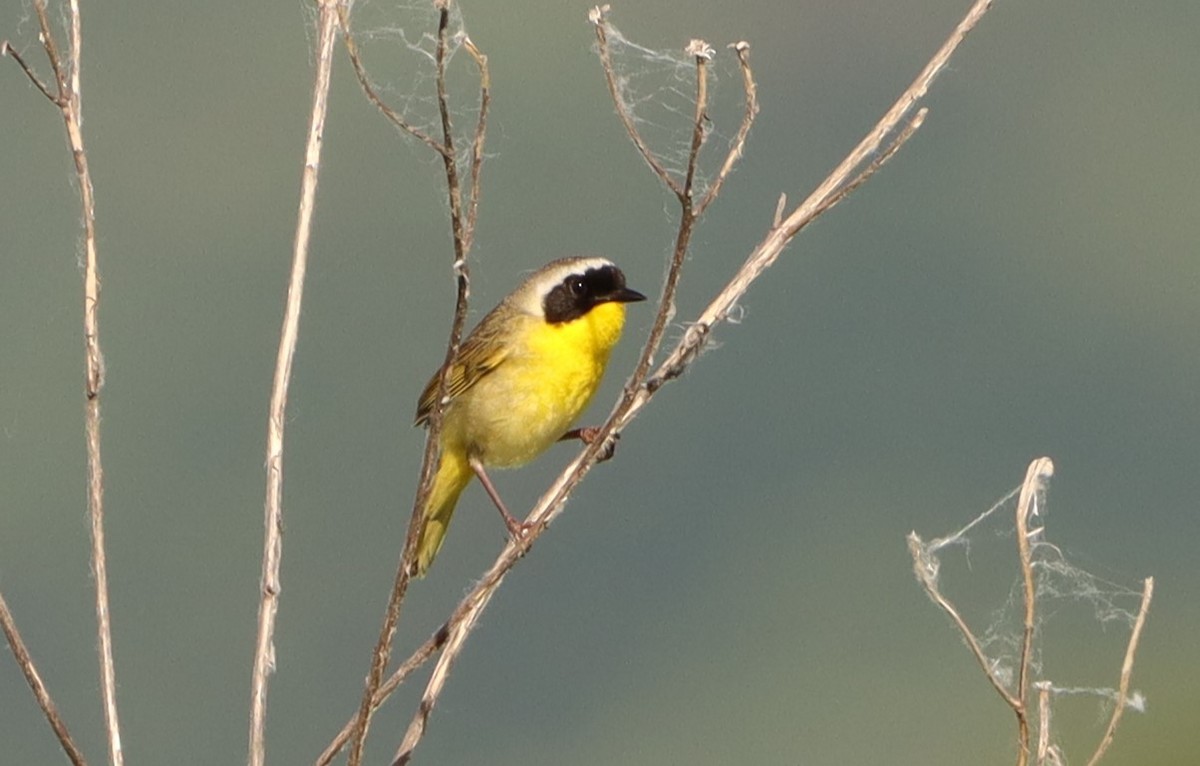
<point x="522" y="376"/>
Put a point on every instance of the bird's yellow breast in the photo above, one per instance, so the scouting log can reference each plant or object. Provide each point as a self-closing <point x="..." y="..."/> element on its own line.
<point x="517" y="411"/>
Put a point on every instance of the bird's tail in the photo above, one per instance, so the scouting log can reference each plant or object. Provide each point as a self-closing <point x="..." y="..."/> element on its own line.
<point x="453" y="475"/>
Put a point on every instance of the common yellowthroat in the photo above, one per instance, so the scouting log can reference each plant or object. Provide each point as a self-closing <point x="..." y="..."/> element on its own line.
<point x="521" y="377"/>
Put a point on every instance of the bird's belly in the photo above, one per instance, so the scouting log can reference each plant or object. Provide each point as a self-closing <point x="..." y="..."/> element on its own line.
<point x="517" y="412"/>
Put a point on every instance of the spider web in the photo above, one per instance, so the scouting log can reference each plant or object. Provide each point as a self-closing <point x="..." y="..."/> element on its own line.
<point x="657" y="88"/>
<point x="397" y="43"/>
<point x="1082" y="620"/>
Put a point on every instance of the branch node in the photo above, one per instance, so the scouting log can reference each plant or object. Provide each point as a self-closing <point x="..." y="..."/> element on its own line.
<point x="780" y="206"/>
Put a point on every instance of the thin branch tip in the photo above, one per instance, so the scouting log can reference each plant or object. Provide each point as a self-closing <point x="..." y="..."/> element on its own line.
<point x="700" y="49"/>
<point x="40" y="693"/>
<point x="780" y="206"/>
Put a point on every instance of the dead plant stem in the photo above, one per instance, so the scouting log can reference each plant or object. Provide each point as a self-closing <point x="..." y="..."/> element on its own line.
<point x="264" y="649"/>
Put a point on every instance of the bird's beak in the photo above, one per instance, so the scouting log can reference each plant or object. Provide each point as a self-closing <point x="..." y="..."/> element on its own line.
<point x="625" y="295"/>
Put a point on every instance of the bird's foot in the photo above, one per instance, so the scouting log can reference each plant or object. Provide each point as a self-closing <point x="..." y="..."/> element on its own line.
<point x="588" y="435"/>
<point x="517" y="530"/>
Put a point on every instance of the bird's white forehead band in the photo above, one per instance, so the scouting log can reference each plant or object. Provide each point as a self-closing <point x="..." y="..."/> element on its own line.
<point x="542" y="283"/>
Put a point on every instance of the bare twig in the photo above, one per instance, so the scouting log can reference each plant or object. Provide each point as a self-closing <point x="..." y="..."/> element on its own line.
<point x="37" y="686"/>
<point x="688" y="215"/>
<point x="414" y="661"/>
<point x="905" y="132"/>
<point x="870" y="144"/>
<point x="46" y="36"/>
<point x="449" y="160"/>
<point x="690" y="211"/>
<point x="264" y="650"/>
<point x="702" y="54"/>
<point x="463" y="216"/>
<point x="458" y="633"/>
<point x="927" y="575"/>
<point x="372" y="95"/>
<point x="485" y="100"/>
<point x="827" y="194"/>
<point x="6" y="49"/>
<point x="1038" y="473"/>
<point x="1043" y="747"/>
<point x="1126" y="673"/>
<point x="926" y="567"/>
<point x="750" y="93"/>
<point x="68" y="97"/>
<point x="1032" y="489"/>
<point x="598" y="17"/>
<point x="636" y="393"/>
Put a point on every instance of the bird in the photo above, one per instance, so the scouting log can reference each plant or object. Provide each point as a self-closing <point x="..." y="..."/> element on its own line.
<point x="518" y="382"/>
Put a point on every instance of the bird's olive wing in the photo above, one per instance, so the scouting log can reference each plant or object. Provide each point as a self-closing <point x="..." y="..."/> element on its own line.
<point x="476" y="358"/>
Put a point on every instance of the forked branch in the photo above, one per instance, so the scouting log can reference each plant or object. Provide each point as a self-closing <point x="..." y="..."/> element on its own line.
<point x="598" y="18"/>
<point x="67" y="96"/>
<point x="926" y="566"/>
<point x="690" y="211"/>
<point x="853" y="171"/>
<point x="927" y="575"/>
<point x="369" y="90"/>
<point x="464" y="206"/>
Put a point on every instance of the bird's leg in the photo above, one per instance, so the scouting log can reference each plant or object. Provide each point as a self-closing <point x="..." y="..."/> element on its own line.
<point x="515" y="528"/>
<point x="587" y="435"/>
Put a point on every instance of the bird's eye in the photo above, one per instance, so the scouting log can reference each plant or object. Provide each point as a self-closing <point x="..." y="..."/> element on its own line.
<point x="577" y="286"/>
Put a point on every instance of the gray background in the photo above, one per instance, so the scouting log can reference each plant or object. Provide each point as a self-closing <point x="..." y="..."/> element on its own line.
<point x="734" y="587"/>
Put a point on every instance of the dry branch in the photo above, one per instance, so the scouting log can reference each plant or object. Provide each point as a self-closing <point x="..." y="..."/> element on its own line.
<point x="1034" y="486"/>
<point x="37" y="686"/>
<point x="1126" y="673"/>
<point x="368" y="88"/>
<point x="926" y="565"/>
<point x="1036" y="476"/>
<point x="264" y="649"/>
<point x="848" y="175"/>
<point x="927" y="576"/>
<point x="68" y="97"/>
<point x="597" y="17"/>
<point x="463" y="216"/>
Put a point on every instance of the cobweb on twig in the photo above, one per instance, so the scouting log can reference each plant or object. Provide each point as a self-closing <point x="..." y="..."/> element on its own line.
<point x="1080" y="629"/>
<point x="658" y="89"/>
<point x="397" y="43"/>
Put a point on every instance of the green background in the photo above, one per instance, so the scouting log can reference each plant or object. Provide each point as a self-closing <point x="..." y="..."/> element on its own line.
<point x="1022" y="280"/>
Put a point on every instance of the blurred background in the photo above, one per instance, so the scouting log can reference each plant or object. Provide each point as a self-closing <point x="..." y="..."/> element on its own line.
<point x="1020" y="281"/>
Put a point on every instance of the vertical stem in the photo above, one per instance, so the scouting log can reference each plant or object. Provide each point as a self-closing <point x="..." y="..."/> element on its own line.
<point x="1035" y="481"/>
<point x="70" y="103"/>
<point x="462" y="232"/>
<point x="264" y="651"/>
